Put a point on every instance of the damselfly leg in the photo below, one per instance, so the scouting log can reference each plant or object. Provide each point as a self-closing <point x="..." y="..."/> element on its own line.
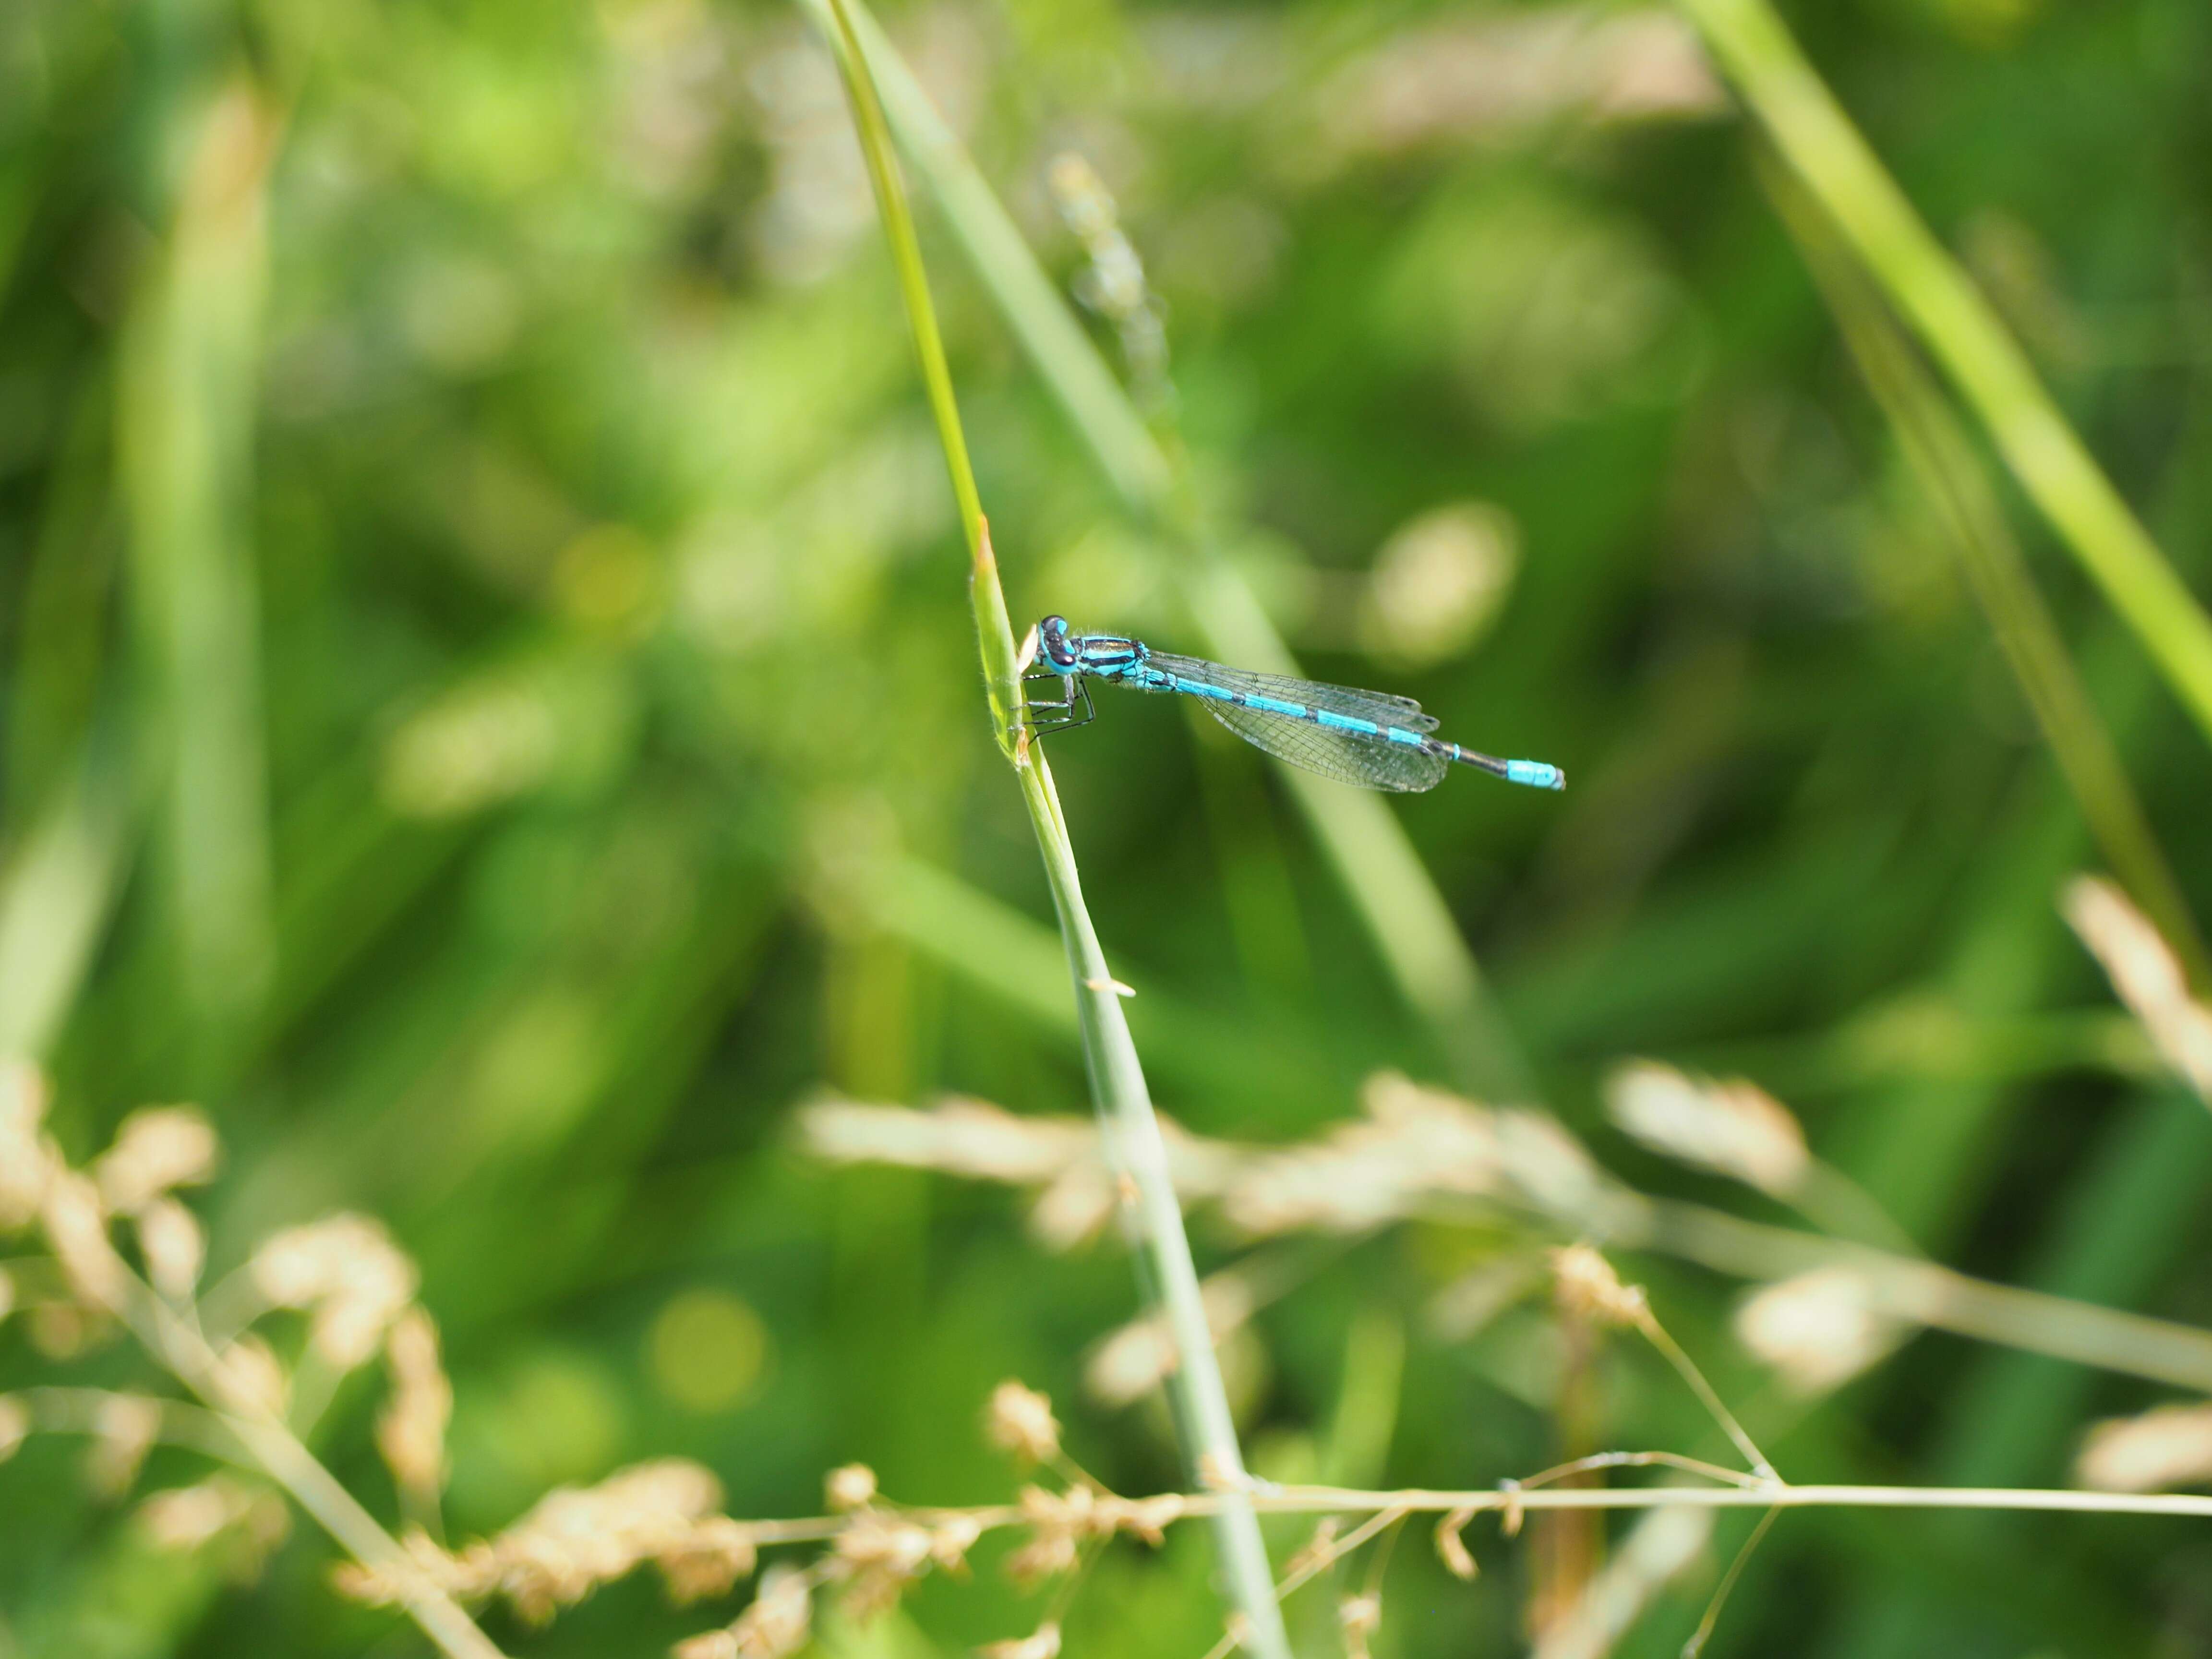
<point x="1045" y="715"/>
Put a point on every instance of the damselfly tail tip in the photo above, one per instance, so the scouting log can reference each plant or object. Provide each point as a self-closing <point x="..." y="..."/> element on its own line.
<point x="1537" y="775"/>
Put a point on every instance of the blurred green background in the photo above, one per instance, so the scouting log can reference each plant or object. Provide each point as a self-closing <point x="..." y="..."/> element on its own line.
<point x="490" y="710"/>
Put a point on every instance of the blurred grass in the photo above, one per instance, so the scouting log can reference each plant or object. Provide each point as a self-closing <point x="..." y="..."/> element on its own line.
<point x="1434" y="971"/>
<point x="187" y="378"/>
<point x="1958" y="326"/>
<point x="547" y="458"/>
<point x="1941" y="457"/>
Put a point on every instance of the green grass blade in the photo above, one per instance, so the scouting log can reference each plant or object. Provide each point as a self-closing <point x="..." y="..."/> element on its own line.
<point x="1406" y="916"/>
<point x="55" y="897"/>
<point x="190" y="391"/>
<point x="1966" y="508"/>
<point x="1130" y="1128"/>
<point x="1963" y="334"/>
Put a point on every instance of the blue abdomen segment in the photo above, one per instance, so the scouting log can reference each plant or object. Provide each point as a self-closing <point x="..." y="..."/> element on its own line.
<point x="1366" y="738"/>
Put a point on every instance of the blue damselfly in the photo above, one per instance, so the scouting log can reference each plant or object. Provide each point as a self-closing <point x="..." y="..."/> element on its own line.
<point x="1363" y="738"/>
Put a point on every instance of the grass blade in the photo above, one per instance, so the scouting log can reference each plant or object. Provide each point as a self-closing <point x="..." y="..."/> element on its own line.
<point x="55" y="897"/>
<point x="1407" y="918"/>
<point x="1130" y="1130"/>
<point x="1963" y="334"/>
<point x="1967" y="509"/>
<point x="190" y="391"/>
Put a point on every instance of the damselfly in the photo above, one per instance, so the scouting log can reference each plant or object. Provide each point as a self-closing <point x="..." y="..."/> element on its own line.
<point x="1363" y="738"/>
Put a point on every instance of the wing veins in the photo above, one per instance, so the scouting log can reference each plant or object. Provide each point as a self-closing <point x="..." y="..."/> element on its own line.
<point x="1379" y="706"/>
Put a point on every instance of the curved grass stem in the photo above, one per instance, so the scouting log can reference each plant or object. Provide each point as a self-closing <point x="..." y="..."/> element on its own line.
<point x="1413" y="927"/>
<point x="1118" y="1088"/>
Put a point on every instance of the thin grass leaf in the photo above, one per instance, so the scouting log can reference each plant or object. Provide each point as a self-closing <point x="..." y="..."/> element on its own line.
<point x="1368" y="847"/>
<point x="1966" y="508"/>
<point x="1960" y="331"/>
<point x="1131" y="1129"/>
<point x="55" y="897"/>
<point x="190" y="388"/>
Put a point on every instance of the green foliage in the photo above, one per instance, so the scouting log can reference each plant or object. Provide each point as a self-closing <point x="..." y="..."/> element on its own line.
<point x="489" y="706"/>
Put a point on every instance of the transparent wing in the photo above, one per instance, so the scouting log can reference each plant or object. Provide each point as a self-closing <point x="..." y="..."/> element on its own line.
<point x="1379" y="706"/>
<point x="1367" y="762"/>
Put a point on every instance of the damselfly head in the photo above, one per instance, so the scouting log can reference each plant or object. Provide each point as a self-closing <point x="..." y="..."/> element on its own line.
<point x="1055" y="646"/>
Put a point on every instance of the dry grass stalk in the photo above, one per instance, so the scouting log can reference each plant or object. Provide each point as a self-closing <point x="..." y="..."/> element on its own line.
<point x="1019" y="1421"/>
<point x="2146" y="975"/>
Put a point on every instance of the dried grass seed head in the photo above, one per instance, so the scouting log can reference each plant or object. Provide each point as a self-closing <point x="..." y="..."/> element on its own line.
<point x="2145" y="974"/>
<point x="1819" y="1329"/>
<point x="708" y="1562"/>
<point x="347" y="1270"/>
<point x="1317" y="1552"/>
<point x="1357" y="1616"/>
<point x="125" y="1428"/>
<point x="1061" y="1523"/>
<point x="777" y="1623"/>
<point x="1044" y="1643"/>
<point x="187" y="1518"/>
<point x="851" y="1487"/>
<point x="1019" y="1421"/>
<point x="1135" y="1359"/>
<point x="75" y="1224"/>
<point x="1412" y="1142"/>
<point x="156" y="1150"/>
<point x="572" y="1540"/>
<point x="877" y="1559"/>
<point x="410" y="1433"/>
<point x="1733" y="1128"/>
<point x="956" y="1137"/>
<point x="1586" y="1285"/>
<point x="2167" y="1447"/>
<point x="951" y="1539"/>
<point x="27" y="1157"/>
<point x="1451" y="1545"/>
<point x="175" y="1249"/>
